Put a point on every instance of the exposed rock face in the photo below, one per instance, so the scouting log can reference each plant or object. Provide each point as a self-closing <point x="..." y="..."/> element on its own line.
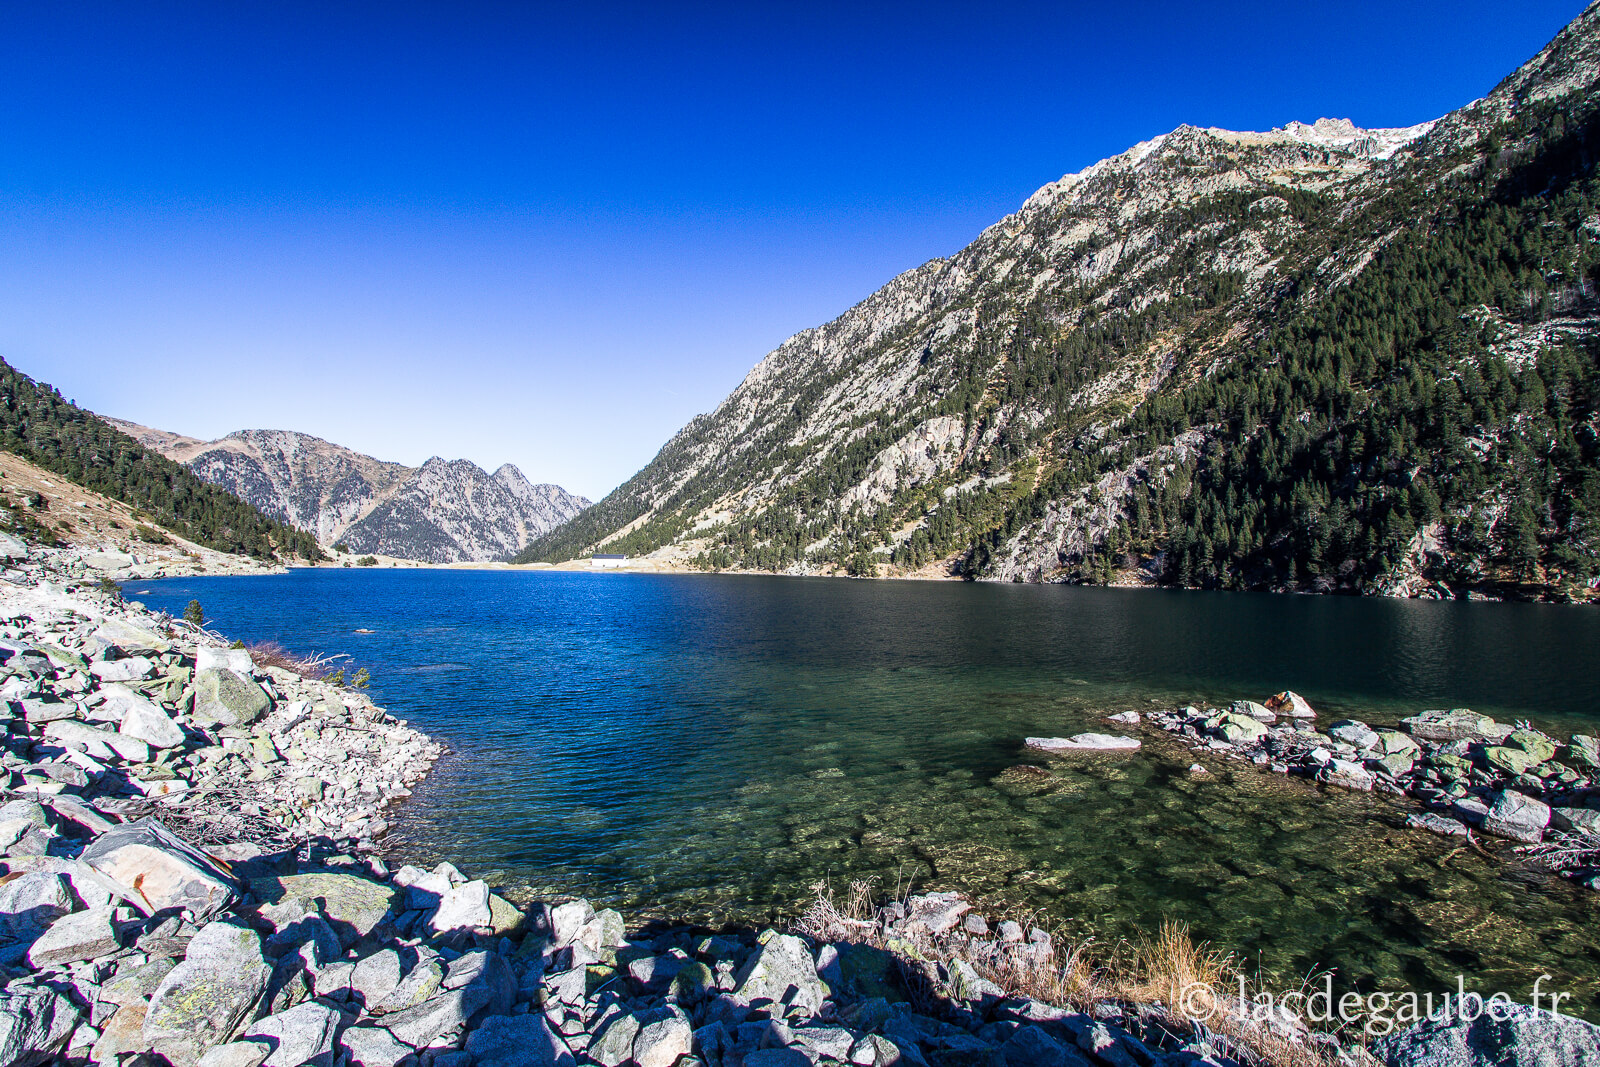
<point x="978" y="414"/>
<point x="441" y="512"/>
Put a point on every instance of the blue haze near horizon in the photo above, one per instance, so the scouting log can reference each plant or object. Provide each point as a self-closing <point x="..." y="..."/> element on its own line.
<point x="551" y="234"/>
<point x="710" y="746"/>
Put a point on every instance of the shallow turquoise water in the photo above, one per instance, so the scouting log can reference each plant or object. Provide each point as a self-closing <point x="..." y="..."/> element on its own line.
<point x="711" y="746"/>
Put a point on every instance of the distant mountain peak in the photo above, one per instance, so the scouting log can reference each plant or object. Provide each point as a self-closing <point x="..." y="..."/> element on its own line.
<point x="440" y="512"/>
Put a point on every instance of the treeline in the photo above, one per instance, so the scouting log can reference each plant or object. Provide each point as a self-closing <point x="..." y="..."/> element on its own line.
<point x="41" y="427"/>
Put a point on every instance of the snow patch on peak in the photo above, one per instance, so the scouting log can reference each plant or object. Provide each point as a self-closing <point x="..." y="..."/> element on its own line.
<point x="1341" y="134"/>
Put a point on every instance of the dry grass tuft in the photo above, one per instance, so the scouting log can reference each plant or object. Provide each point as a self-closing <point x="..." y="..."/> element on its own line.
<point x="1167" y="965"/>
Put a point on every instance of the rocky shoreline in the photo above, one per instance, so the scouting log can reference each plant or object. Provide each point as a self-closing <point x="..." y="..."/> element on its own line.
<point x="192" y="876"/>
<point x="1466" y="771"/>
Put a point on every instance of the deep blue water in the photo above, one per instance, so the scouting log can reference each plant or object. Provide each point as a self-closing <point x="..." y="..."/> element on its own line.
<point x="712" y="745"/>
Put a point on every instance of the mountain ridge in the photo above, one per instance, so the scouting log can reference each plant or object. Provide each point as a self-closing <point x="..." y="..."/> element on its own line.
<point x="443" y="511"/>
<point x="963" y="412"/>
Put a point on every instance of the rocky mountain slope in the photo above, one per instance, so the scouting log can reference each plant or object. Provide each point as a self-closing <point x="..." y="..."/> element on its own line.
<point x="441" y="512"/>
<point x="1319" y="358"/>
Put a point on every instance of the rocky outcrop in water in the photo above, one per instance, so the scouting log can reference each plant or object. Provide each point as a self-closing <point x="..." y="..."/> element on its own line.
<point x="1468" y="771"/>
<point x="441" y="512"/>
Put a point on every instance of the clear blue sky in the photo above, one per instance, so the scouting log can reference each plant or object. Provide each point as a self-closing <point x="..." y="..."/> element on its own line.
<point x="552" y="235"/>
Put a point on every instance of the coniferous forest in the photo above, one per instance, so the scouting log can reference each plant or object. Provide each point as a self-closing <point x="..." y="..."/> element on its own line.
<point x="37" y="424"/>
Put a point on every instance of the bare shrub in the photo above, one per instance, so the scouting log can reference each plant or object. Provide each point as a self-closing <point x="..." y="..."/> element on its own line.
<point x="272" y="654"/>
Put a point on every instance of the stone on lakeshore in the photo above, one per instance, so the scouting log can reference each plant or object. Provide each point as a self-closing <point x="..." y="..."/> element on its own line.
<point x="517" y="1041"/>
<point x="1032" y="1046"/>
<point x="263" y="749"/>
<point x="1346" y="775"/>
<point x="1508" y="759"/>
<point x="209" y="997"/>
<point x="1454" y="725"/>
<point x="1354" y="732"/>
<point x="1535" y="744"/>
<point x="1469" y="809"/>
<point x="237" y="1054"/>
<point x="80" y="936"/>
<point x="130" y="638"/>
<point x="123" y="1033"/>
<point x="1516" y="1035"/>
<point x="694" y="982"/>
<point x="94" y="739"/>
<point x="569" y="986"/>
<point x="937" y="913"/>
<point x="783" y="972"/>
<point x="613" y="932"/>
<point x="1519" y="817"/>
<point x="237" y="660"/>
<point x="1585" y="749"/>
<point x="1391" y="742"/>
<point x="372" y="1046"/>
<point x="309" y="937"/>
<point x="1291" y="704"/>
<point x="420" y="984"/>
<point x="1237" y="729"/>
<point x="301" y="1035"/>
<point x="834" y="1042"/>
<point x="1436" y="823"/>
<point x="1576" y="820"/>
<point x="463" y="907"/>
<point x="491" y="972"/>
<point x="352" y="905"/>
<point x="566" y="920"/>
<point x="1250" y="709"/>
<point x="132" y="669"/>
<point x="29" y="903"/>
<point x="35" y="1023"/>
<point x="47" y="709"/>
<point x="967" y="984"/>
<point x="654" y="970"/>
<point x="505" y="920"/>
<point x="446" y="1013"/>
<point x="145" y="721"/>
<point x="664" y="1035"/>
<point x="1083" y="743"/>
<point x="155" y="869"/>
<point x="376" y="976"/>
<point x="228" y="698"/>
<point x="1393" y="764"/>
<point x="1124" y="718"/>
<point x="612" y="1044"/>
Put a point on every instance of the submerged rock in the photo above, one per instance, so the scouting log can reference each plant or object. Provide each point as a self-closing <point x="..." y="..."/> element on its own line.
<point x="1083" y="742"/>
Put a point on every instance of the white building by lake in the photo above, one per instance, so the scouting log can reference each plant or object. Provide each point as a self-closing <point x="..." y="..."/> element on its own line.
<point x="606" y="559"/>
